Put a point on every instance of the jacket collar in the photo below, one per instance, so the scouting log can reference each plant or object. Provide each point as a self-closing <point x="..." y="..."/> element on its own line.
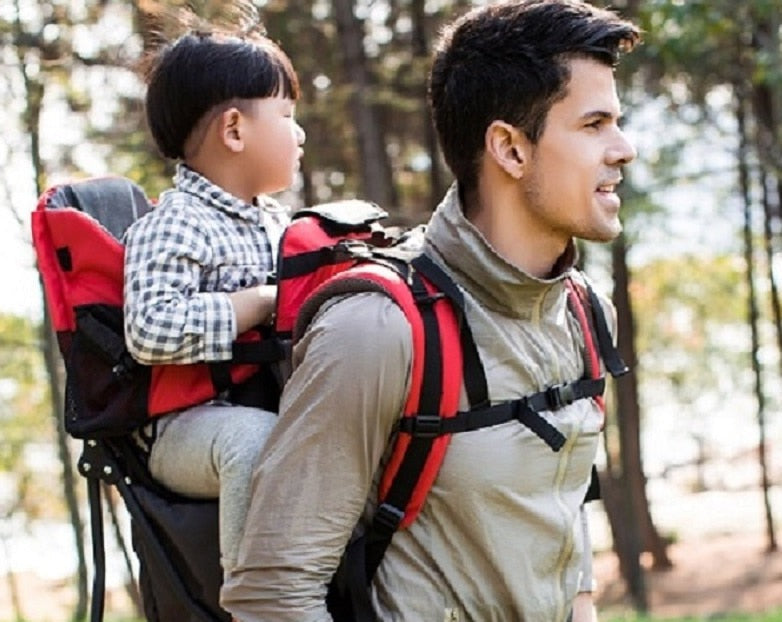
<point x="482" y="271"/>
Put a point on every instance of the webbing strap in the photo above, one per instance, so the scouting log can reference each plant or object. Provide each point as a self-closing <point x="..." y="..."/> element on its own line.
<point x="220" y="375"/>
<point x="390" y="513"/>
<point x="308" y="262"/>
<point x="474" y="375"/>
<point x="267" y="350"/>
<point x="424" y="264"/>
<point x="525" y="410"/>
<point x="611" y="358"/>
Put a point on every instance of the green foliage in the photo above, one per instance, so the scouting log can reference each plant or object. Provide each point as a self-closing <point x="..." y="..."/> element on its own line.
<point x="688" y="310"/>
<point x="23" y="408"/>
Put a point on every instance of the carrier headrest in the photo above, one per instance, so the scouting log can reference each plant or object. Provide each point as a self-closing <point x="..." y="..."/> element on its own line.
<point x="115" y="202"/>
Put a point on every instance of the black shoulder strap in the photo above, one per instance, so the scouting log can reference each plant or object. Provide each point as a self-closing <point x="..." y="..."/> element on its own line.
<point x="608" y="352"/>
<point x="474" y="375"/>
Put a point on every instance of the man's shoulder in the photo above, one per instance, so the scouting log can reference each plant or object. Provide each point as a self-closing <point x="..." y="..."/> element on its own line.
<point x="360" y="320"/>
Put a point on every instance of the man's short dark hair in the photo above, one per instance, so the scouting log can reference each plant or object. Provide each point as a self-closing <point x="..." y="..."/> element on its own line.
<point x="509" y="61"/>
<point x="189" y="77"/>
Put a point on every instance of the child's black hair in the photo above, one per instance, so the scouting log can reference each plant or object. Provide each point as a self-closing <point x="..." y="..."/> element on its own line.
<point x="198" y="71"/>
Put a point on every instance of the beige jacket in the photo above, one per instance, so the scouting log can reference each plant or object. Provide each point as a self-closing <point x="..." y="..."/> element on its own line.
<point x="501" y="537"/>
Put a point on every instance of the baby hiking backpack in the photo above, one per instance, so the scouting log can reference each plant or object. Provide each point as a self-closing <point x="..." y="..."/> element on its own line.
<point x="77" y="230"/>
<point x="328" y="250"/>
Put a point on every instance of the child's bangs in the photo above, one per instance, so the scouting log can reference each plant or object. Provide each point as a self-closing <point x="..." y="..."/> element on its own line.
<point x="275" y="74"/>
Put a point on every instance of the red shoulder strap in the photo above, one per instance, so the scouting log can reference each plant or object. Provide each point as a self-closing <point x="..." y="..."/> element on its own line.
<point x="436" y="379"/>
<point x="440" y="354"/>
<point x="591" y="354"/>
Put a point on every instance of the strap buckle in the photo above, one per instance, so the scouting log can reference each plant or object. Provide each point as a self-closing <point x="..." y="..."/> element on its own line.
<point x="426" y="426"/>
<point x="353" y="249"/>
<point x="387" y="517"/>
<point x="560" y="395"/>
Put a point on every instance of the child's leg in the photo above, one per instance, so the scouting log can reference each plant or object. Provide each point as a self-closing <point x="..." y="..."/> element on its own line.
<point x="210" y="451"/>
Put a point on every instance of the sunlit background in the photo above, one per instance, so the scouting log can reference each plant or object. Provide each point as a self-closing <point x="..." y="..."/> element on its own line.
<point x="702" y="101"/>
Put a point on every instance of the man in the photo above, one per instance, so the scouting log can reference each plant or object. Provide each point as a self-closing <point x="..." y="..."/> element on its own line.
<point x="525" y="105"/>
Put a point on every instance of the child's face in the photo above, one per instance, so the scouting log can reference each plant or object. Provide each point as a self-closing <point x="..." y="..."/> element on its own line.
<point x="273" y="143"/>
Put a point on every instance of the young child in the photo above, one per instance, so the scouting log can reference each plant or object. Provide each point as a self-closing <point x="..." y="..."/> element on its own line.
<point x="196" y="266"/>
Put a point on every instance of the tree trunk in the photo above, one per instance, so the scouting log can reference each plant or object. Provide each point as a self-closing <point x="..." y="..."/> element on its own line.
<point x="628" y="409"/>
<point x="765" y="138"/>
<point x="377" y="184"/>
<point x="34" y="90"/>
<point x="744" y="185"/>
<point x="767" y="93"/>
<point x="768" y="240"/>
<point x="51" y="356"/>
<point x="421" y="55"/>
<point x="623" y="482"/>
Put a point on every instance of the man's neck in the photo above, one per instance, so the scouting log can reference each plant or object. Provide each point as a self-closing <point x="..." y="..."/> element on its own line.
<point x="520" y="239"/>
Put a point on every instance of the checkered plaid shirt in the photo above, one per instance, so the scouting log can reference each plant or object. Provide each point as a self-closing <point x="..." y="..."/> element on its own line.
<point x="182" y="258"/>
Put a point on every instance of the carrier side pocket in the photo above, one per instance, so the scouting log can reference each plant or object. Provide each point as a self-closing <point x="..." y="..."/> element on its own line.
<point x="106" y="390"/>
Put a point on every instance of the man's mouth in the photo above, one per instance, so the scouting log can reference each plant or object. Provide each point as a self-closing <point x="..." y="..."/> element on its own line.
<point x="609" y="187"/>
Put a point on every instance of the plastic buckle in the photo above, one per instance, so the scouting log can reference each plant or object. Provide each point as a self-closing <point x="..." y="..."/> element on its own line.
<point x="560" y="395"/>
<point x="426" y="426"/>
<point x="354" y="249"/>
<point x="388" y="517"/>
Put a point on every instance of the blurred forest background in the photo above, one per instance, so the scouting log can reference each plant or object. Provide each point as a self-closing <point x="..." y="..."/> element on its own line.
<point x="694" y="277"/>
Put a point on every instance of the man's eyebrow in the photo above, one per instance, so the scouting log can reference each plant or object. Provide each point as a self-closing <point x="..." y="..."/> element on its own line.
<point x="602" y="114"/>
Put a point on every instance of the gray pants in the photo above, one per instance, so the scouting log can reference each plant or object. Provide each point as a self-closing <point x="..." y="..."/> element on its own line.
<point x="210" y="451"/>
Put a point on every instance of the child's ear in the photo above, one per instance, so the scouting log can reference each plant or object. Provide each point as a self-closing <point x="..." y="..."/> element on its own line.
<point x="231" y="129"/>
<point x="507" y="146"/>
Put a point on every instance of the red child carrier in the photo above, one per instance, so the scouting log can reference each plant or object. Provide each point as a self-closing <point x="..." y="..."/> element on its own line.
<point x="80" y="258"/>
<point x="329" y="250"/>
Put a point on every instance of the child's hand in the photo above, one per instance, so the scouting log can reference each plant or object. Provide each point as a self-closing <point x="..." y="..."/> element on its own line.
<point x="268" y="296"/>
<point x="253" y="306"/>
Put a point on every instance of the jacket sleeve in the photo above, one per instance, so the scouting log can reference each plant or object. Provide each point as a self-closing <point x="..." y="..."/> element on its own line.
<point x="338" y="410"/>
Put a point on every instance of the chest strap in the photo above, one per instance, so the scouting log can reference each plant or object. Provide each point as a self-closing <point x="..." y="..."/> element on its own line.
<point x="525" y="410"/>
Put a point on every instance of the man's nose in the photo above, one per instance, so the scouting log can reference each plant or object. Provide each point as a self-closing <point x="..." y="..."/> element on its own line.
<point x="622" y="151"/>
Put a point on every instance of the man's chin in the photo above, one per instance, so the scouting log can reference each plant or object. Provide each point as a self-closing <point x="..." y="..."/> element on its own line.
<point x="604" y="234"/>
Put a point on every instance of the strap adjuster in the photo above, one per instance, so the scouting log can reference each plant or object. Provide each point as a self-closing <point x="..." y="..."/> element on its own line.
<point x="425" y="298"/>
<point x="560" y="395"/>
<point x="387" y="517"/>
<point x="426" y="426"/>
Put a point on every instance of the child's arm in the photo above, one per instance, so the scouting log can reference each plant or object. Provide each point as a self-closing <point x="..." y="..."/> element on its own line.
<point x="253" y="306"/>
<point x="168" y="318"/>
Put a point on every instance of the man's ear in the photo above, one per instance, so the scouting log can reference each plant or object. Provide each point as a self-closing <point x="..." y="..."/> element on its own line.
<point x="231" y="129"/>
<point x="506" y="147"/>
